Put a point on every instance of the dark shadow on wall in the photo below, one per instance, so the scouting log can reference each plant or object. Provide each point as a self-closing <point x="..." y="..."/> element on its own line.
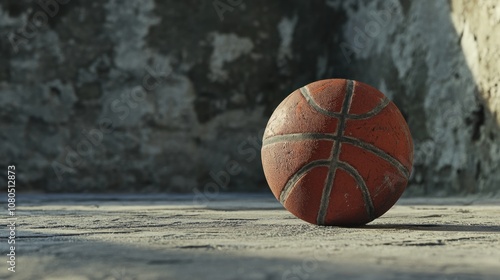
<point x="422" y="66"/>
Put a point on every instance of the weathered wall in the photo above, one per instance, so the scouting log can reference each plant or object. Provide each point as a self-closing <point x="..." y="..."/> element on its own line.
<point x="479" y="27"/>
<point x="173" y="95"/>
<point x="440" y="64"/>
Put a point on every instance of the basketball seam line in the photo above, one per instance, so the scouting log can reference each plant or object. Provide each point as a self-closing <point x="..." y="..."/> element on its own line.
<point x="305" y="92"/>
<point x="299" y="137"/>
<point x="372" y="112"/>
<point x="307" y="95"/>
<point x="334" y="156"/>
<point x="370" y="209"/>
<point x="353" y="141"/>
<point x="296" y="177"/>
<point x="378" y="152"/>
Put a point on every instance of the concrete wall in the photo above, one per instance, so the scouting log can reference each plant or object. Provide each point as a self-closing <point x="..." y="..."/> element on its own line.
<point x="173" y="95"/>
<point x="438" y="61"/>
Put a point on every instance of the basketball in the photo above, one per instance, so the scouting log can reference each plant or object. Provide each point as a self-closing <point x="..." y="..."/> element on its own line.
<point x="337" y="152"/>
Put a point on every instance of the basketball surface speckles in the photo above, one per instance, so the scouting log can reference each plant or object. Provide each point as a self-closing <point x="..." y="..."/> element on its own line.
<point x="337" y="152"/>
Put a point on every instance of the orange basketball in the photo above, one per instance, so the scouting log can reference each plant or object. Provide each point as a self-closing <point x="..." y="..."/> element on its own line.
<point x="337" y="152"/>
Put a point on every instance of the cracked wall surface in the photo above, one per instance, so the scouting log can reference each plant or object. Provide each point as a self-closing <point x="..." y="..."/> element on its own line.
<point x="173" y="96"/>
<point x="439" y="63"/>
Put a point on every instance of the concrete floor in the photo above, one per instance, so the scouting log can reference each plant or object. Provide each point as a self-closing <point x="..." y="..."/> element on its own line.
<point x="247" y="236"/>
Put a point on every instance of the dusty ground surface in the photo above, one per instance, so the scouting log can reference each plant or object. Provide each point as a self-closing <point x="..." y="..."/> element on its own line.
<point x="247" y="237"/>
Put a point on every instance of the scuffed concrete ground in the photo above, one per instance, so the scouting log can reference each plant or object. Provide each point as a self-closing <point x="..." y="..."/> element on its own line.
<point x="247" y="237"/>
